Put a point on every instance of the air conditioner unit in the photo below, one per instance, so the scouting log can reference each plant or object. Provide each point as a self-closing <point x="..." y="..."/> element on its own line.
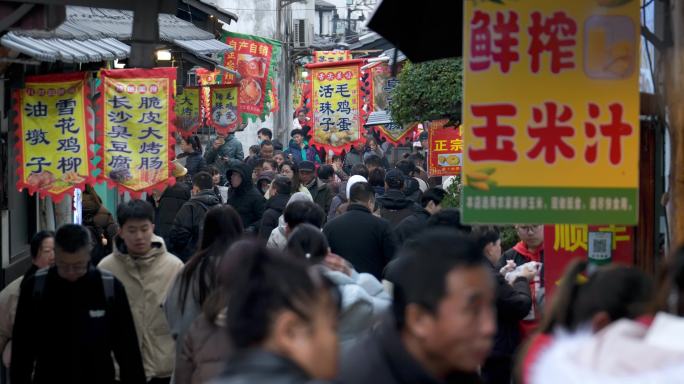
<point x="302" y="33"/>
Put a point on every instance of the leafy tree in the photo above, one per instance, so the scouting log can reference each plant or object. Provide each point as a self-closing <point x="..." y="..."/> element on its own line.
<point x="428" y="91"/>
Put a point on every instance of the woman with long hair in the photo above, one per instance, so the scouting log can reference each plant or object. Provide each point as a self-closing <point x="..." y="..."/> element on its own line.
<point x="197" y="279"/>
<point x="291" y="171"/>
<point x="281" y="321"/>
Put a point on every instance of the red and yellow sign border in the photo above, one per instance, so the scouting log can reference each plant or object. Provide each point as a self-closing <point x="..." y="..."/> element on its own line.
<point x="18" y="122"/>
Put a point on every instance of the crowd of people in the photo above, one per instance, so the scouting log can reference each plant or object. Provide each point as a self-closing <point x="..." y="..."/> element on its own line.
<point x="277" y="268"/>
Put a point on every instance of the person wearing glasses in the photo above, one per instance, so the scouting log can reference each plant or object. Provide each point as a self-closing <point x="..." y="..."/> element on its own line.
<point x="529" y="248"/>
<point x="73" y="320"/>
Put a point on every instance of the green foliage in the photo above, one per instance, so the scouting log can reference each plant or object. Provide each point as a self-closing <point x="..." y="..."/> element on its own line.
<point x="509" y="237"/>
<point x="428" y="91"/>
<point x="453" y="197"/>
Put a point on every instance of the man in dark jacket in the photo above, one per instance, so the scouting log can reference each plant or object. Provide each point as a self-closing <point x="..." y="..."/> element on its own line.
<point x="341" y="197"/>
<point x="430" y="203"/>
<point x="71" y="318"/>
<point x="443" y="324"/>
<point x="363" y="239"/>
<point x="321" y="193"/>
<point x="299" y="150"/>
<point x="170" y="202"/>
<point x="225" y="152"/>
<point x="187" y="226"/>
<point x="244" y="197"/>
<point x="394" y="205"/>
<point x="513" y="303"/>
<point x="280" y="195"/>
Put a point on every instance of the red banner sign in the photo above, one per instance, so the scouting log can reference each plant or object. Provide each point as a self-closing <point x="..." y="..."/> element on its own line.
<point x="336" y="104"/>
<point x="445" y="149"/>
<point x="251" y="59"/>
<point x="598" y="244"/>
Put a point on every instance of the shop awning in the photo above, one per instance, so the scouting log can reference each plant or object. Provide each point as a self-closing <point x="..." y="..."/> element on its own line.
<point x="379" y="118"/>
<point x="65" y="50"/>
<point x="95" y="34"/>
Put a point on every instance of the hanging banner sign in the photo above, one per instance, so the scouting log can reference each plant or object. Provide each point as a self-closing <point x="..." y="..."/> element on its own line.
<point x="551" y="112"/>
<point x="331" y="56"/>
<point x="136" y="130"/>
<point x="599" y="245"/>
<point x="251" y="58"/>
<point x="446" y="149"/>
<point x="53" y="134"/>
<point x="383" y="85"/>
<point x="223" y="115"/>
<point x="188" y="111"/>
<point x="336" y="104"/>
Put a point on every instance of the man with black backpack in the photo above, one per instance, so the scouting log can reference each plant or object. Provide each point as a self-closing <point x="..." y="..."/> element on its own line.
<point x="71" y="318"/>
<point x="186" y="230"/>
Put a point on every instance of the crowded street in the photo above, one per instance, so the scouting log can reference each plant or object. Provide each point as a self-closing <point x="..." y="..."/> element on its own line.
<point x="341" y="191"/>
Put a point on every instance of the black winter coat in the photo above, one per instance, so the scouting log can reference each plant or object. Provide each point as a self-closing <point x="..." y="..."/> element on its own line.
<point x="382" y="358"/>
<point x="395" y="206"/>
<point x="70" y="333"/>
<point x="321" y="194"/>
<point x="364" y="240"/>
<point x="185" y="234"/>
<point x="274" y="209"/>
<point x="513" y="303"/>
<point x="246" y="199"/>
<point x="411" y="225"/>
<point x="194" y="162"/>
<point x="258" y="366"/>
<point x="170" y="202"/>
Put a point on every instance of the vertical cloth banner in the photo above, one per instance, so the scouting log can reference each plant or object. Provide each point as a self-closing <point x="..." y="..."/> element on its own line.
<point x="446" y="149"/>
<point x="551" y="112"/>
<point x="383" y="85"/>
<point x="53" y="134"/>
<point x="224" y="115"/>
<point x="331" y="56"/>
<point x="188" y="109"/>
<point x="251" y="58"/>
<point x="136" y="130"/>
<point x="336" y="104"/>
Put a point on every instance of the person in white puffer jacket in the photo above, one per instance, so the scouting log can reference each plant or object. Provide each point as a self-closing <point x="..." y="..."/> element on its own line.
<point x="364" y="301"/>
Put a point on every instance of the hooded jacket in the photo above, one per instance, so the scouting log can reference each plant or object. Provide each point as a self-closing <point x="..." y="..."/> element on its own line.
<point x="147" y="280"/>
<point x="395" y="206"/>
<point x="204" y="352"/>
<point x="185" y="233"/>
<point x="246" y="199"/>
<point x="625" y="352"/>
<point x="275" y="207"/>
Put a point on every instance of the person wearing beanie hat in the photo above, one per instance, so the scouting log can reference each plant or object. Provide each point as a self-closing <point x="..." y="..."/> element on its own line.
<point x="321" y="192"/>
<point x="353" y="180"/>
<point x="394" y="205"/>
<point x="278" y="237"/>
<point x="299" y="150"/>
